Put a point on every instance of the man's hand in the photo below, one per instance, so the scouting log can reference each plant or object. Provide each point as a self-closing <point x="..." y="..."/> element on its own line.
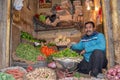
<point x="69" y="46"/>
<point x="82" y="52"/>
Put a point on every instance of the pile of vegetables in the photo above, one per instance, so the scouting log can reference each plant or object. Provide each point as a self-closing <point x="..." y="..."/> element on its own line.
<point x="62" y="40"/>
<point x="47" y="51"/>
<point x="16" y="73"/>
<point x="29" y="37"/>
<point x="27" y="52"/>
<point x="114" y="73"/>
<point x="66" y="53"/>
<point x="42" y="73"/>
<point x="4" y="76"/>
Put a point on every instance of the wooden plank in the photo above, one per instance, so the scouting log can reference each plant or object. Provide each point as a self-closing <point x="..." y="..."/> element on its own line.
<point x="4" y="33"/>
<point x="108" y="31"/>
<point x="116" y="28"/>
<point x="115" y="20"/>
<point x="1" y="33"/>
<point x="8" y="32"/>
<point x="0" y="45"/>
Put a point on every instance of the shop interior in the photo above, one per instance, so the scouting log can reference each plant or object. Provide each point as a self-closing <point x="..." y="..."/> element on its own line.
<point x="40" y="28"/>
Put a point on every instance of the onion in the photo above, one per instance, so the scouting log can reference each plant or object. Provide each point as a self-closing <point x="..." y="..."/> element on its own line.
<point x="117" y="66"/>
<point x="118" y="75"/>
<point x="116" y="78"/>
<point x="113" y="73"/>
<point x="52" y="65"/>
<point x="110" y="71"/>
<point x="109" y="76"/>
<point x="118" y="70"/>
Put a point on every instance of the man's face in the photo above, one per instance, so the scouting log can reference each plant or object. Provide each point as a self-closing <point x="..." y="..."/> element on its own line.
<point x="89" y="29"/>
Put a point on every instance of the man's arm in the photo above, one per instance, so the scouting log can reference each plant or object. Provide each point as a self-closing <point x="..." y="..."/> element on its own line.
<point x="101" y="44"/>
<point x="77" y="46"/>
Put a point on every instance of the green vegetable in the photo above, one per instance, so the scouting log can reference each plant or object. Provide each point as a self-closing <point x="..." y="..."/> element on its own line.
<point x="42" y="18"/>
<point x="29" y="37"/>
<point x="51" y="44"/>
<point x="49" y="59"/>
<point x="77" y="75"/>
<point x="26" y="35"/>
<point x="66" y="53"/>
<point x="4" y="76"/>
<point x="41" y="40"/>
<point x="27" y="52"/>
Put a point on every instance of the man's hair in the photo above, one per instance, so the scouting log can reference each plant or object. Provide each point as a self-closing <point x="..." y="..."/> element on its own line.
<point x="90" y="22"/>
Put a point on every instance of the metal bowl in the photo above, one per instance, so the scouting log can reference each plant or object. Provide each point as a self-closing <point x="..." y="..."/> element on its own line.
<point x="67" y="64"/>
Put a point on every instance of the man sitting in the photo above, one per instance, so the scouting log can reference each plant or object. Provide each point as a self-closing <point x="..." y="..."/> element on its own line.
<point x="92" y="46"/>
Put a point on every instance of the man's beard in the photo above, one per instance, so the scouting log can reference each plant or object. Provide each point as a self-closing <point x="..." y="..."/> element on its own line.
<point x="87" y="33"/>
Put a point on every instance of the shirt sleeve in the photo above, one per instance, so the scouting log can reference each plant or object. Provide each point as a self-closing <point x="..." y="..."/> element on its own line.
<point x="101" y="44"/>
<point x="77" y="46"/>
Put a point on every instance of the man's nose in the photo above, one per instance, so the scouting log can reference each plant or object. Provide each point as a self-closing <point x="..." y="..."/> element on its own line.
<point x="87" y="29"/>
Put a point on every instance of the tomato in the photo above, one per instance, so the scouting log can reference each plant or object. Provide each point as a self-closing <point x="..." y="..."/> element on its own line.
<point x="47" y="51"/>
<point x="29" y="68"/>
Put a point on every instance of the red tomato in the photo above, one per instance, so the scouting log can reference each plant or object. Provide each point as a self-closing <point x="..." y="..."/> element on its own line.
<point x="29" y="68"/>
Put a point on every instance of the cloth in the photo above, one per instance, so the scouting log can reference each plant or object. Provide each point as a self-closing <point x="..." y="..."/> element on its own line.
<point x="52" y="18"/>
<point x="18" y="4"/>
<point x="90" y="43"/>
<point x="97" y="62"/>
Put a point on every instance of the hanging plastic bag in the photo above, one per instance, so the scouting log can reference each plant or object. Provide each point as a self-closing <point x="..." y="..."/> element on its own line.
<point x="18" y="4"/>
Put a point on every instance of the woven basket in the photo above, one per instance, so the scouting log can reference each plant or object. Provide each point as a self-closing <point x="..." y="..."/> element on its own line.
<point x="17" y="67"/>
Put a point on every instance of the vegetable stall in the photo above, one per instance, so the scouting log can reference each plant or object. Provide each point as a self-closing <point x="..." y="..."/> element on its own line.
<point x="37" y="59"/>
<point x="40" y="50"/>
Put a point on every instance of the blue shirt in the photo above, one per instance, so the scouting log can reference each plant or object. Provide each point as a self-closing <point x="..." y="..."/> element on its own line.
<point x="90" y="43"/>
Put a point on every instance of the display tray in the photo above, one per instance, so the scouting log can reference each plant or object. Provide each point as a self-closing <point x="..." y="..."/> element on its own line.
<point x="24" y="63"/>
<point x="40" y="26"/>
<point x="69" y="64"/>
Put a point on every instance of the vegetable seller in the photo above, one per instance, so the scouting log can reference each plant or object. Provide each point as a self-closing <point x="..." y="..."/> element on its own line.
<point x="92" y="46"/>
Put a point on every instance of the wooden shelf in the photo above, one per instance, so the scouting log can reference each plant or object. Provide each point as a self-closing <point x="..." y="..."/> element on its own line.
<point x="40" y="26"/>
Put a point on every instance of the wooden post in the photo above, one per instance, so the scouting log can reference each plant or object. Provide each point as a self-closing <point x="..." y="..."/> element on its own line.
<point x="4" y="32"/>
<point x="116" y="28"/>
<point x="108" y="31"/>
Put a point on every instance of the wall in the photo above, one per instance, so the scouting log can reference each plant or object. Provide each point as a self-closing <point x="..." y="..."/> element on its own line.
<point x="73" y="34"/>
<point x="25" y="16"/>
<point x="23" y="21"/>
<point x="39" y="10"/>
